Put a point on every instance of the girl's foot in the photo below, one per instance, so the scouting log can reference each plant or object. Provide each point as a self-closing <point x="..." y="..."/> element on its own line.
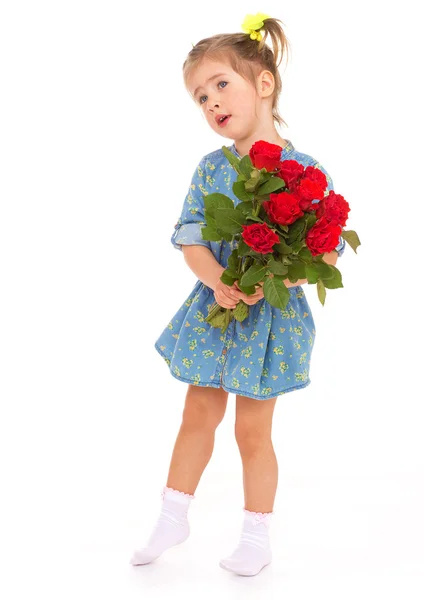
<point x="253" y="552"/>
<point x="171" y="528"/>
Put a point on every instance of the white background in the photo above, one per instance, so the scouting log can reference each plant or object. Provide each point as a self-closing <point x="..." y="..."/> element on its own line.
<point x="99" y="140"/>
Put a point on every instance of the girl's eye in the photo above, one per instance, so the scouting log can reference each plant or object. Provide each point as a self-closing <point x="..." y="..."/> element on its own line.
<point x="200" y="99"/>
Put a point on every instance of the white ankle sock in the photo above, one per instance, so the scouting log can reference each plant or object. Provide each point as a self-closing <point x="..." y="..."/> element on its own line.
<point x="171" y="528"/>
<point x="253" y="552"/>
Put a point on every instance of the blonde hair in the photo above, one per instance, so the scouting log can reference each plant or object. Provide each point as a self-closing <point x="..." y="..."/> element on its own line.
<point x="246" y="57"/>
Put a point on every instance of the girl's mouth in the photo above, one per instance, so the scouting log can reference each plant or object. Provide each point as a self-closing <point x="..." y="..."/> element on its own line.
<point x="224" y="122"/>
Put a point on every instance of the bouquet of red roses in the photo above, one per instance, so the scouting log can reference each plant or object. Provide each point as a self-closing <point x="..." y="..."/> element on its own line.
<point x="280" y="233"/>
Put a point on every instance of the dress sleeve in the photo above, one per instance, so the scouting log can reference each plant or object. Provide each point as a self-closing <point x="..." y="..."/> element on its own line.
<point x="340" y="248"/>
<point x="188" y="227"/>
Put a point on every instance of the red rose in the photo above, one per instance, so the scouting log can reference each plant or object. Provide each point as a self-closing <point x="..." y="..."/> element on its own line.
<point x="334" y="208"/>
<point x="283" y="208"/>
<point x="309" y="190"/>
<point x="262" y="154"/>
<point x="259" y="237"/>
<point x="290" y="171"/>
<point x="315" y="174"/>
<point x="322" y="237"/>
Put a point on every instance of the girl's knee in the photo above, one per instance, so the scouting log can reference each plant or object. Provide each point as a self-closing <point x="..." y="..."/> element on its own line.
<point x="204" y="407"/>
<point x="250" y="438"/>
<point x="253" y="424"/>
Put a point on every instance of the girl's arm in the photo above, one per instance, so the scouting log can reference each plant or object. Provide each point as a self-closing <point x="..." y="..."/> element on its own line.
<point x="206" y="268"/>
<point x="331" y="257"/>
<point x="203" y="264"/>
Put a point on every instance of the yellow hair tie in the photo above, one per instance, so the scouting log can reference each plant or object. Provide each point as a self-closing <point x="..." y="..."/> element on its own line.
<point x="252" y="25"/>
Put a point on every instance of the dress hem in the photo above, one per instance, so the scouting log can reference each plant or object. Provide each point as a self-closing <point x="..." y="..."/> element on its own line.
<point x="215" y="384"/>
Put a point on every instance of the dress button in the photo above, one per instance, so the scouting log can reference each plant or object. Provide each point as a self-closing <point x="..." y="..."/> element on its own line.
<point x="224" y="351"/>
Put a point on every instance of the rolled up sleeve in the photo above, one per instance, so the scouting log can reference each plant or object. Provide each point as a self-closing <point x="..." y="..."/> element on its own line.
<point x="187" y="230"/>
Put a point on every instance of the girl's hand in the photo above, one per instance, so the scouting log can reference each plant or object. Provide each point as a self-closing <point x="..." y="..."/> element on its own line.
<point x="227" y="296"/>
<point x="253" y="298"/>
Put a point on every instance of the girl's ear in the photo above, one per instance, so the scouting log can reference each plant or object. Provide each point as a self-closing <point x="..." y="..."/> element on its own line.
<point x="266" y="84"/>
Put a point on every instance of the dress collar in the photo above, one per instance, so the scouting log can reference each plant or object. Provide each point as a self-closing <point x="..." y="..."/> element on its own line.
<point x="288" y="148"/>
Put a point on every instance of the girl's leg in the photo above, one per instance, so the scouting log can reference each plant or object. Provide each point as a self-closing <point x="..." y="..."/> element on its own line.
<point x="253" y="430"/>
<point x="204" y="410"/>
<point x="260" y="476"/>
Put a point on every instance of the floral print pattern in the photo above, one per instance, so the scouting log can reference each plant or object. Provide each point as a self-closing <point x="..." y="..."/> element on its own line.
<point x="266" y="355"/>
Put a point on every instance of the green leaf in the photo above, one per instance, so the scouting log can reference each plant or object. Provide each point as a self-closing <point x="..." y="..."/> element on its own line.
<point x="276" y="267"/>
<point x="296" y="230"/>
<point x="275" y="292"/>
<point x="282" y="247"/>
<point x="247" y="289"/>
<point x="254" y="274"/>
<point x="233" y="261"/>
<point x="297" y="246"/>
<point x="243" y="248"/>
<point x="305" y="254"/>
<point x="210" y="234"/>
<point x="228" y="237"/>
<point x="210" y="218"/>
<point x="245" y="208"/>
<point x="324" y="270"/>
<point x="228" y="317"/>
<point x="352" y="238"/>
<point x="335" y="281"/>
<point x="265" y="175"/>
<point x="216" y="200"/>
<point x="321" y="291"/>
<point x="240" y="191"/>
<point x="310" y="220"/>
<point x="297" y="270"/>
<point x="253" y="218"/>
<point x="272" y="185"/>
<point x="230" y="220"/>
<point x="216" y="319"/>
<point x="228" y="277"/>
<point x="232" y="159"/>
<point x="241" y="311"/>
<point x="311" y="272"/>
<point x="246" y="166"/>
<point x="251" y="185"/>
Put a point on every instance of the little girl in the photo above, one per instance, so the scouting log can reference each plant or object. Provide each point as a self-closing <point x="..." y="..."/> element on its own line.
<point x="234" y="80"/>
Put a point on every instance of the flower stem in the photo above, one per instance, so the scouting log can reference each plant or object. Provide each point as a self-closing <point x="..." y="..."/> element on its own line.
<point x="257" y="206"/>
<point x="215" y="309"/>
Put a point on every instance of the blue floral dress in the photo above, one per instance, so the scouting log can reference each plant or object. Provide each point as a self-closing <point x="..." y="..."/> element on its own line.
<point x="264" y="356"/>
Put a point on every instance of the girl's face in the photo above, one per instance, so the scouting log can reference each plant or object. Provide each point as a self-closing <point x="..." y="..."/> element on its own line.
<point x="218" y="90"/>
